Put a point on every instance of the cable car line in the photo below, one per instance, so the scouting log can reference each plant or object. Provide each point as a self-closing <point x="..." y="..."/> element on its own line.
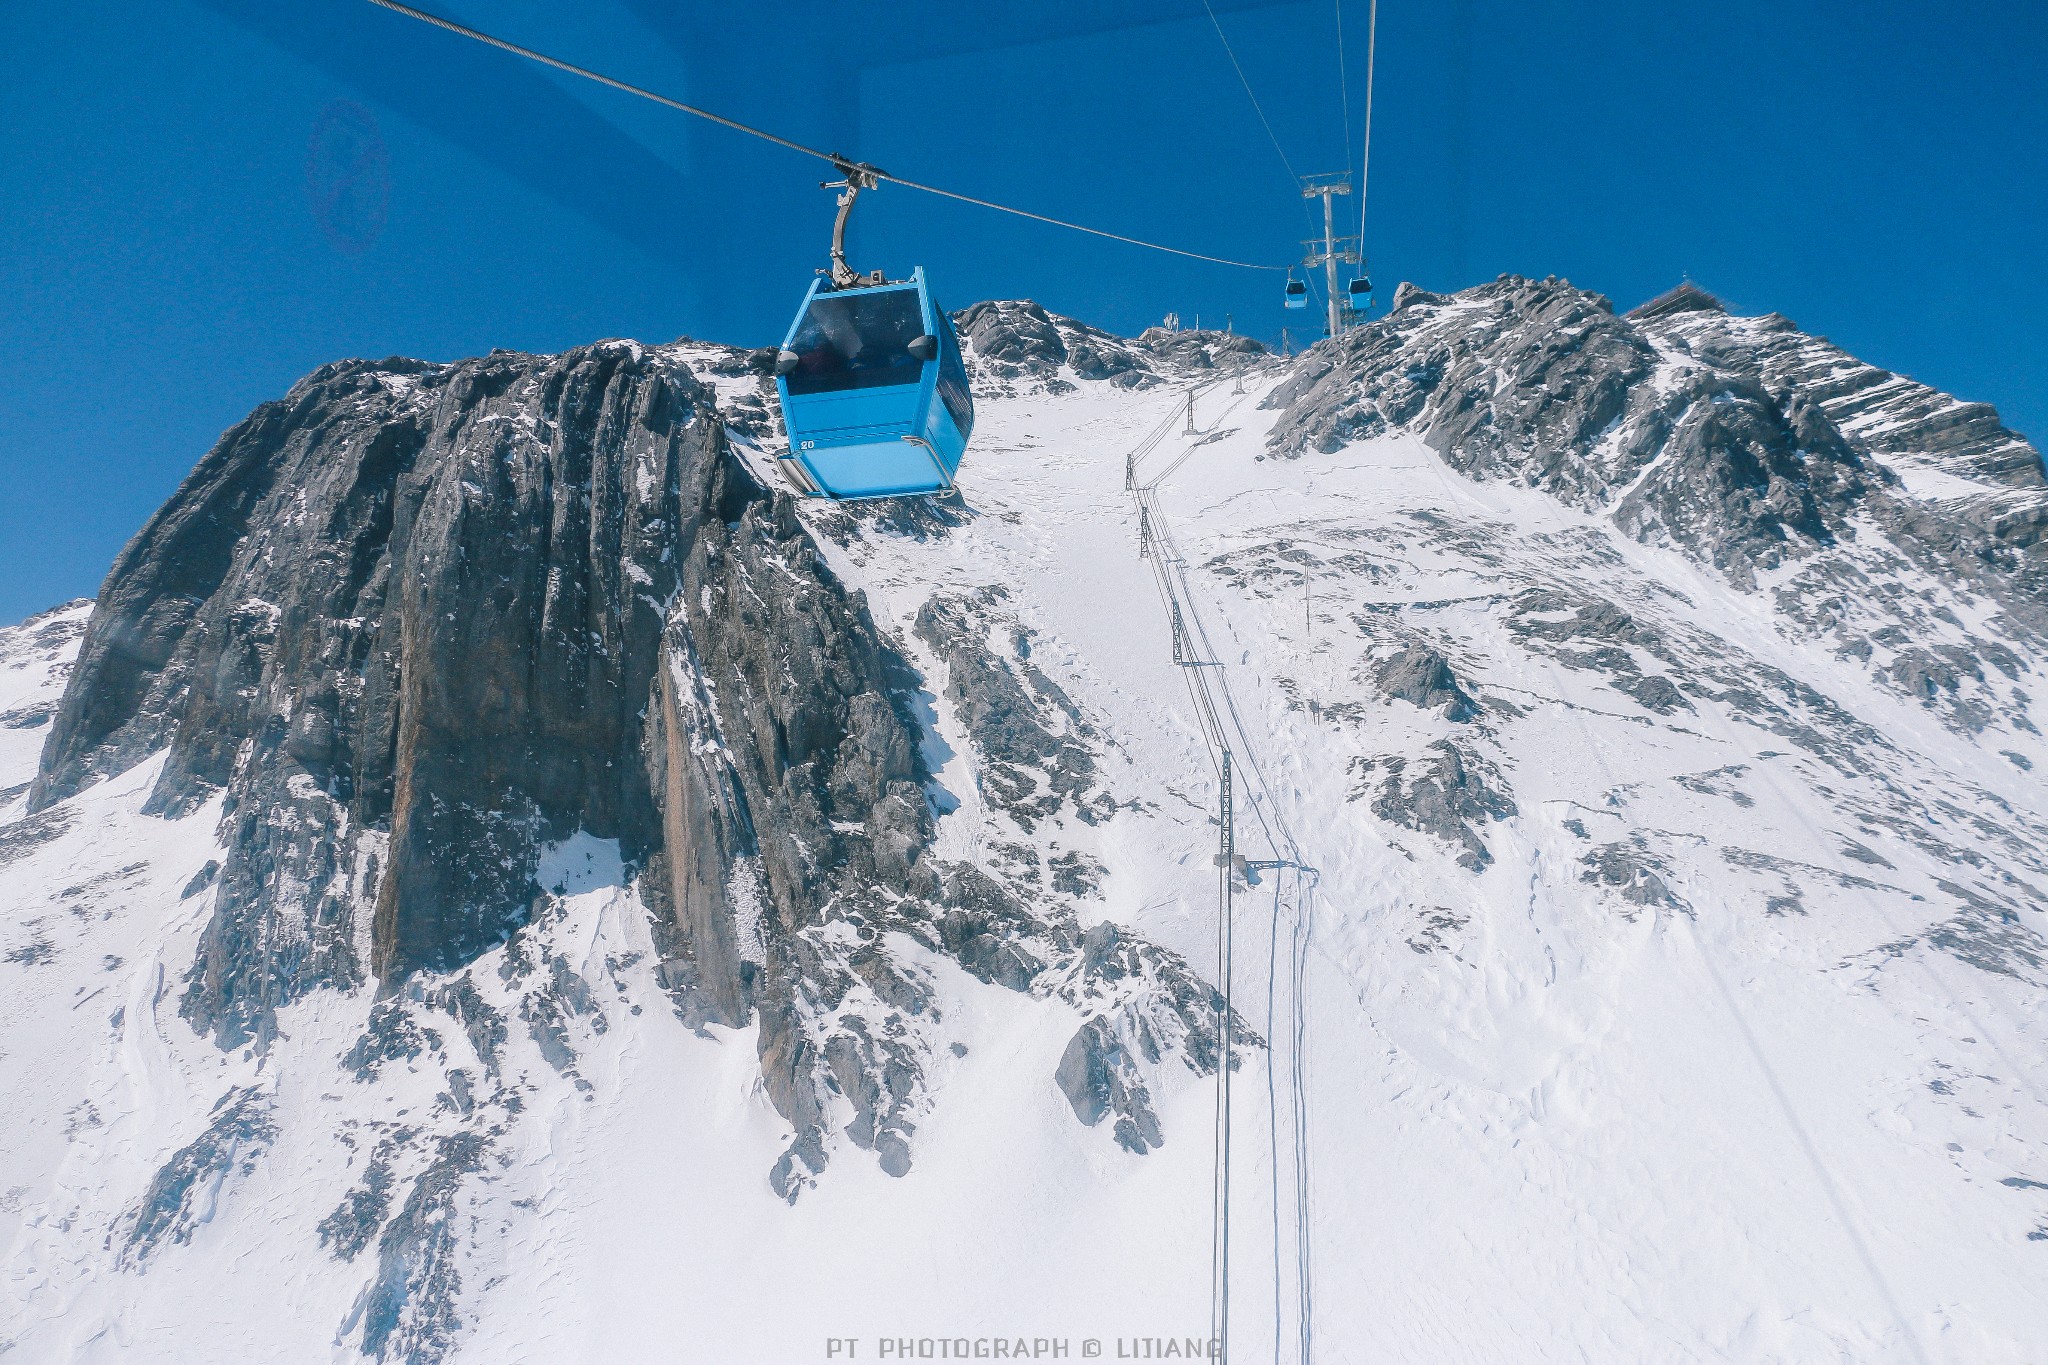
<point x="1257" y="108"/>
<point x="1358" y="291"/>
<point x="1228" y="737"/>
<point x="1372" y="33"/>
<point x="1292" y="297"/>
<point x="1360" y="288"/>
<point x="840" y="163"/>
<point x="1343" y="85"/>
<point x="1273" y="1102"/>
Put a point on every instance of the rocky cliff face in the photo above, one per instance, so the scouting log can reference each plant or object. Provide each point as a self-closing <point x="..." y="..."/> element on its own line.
<point x="418" y="624"/>
<point x="1768" y="454"/>
<point x="406" y="619"/>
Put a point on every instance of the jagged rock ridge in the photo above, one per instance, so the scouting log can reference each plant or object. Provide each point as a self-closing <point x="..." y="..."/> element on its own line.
<point x="1769" y="454"/>
<point x="415" y="624"/>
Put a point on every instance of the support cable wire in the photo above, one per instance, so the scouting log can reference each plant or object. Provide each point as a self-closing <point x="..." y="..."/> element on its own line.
<point x="1221" y="725"/>
<point x="1273" y="1101"/>
<point x="1293" y="180"/>
<point x="838" y="162"/>
<point x="1219" y="1311"/>
<point x="1343" y="85"/>
<point x="1219" y="756"/>
<point x="1245" y="81"/>
<point x="1172" y="564"/>
<point x="1372" y="35"/>
<point x="1306" y="882"/>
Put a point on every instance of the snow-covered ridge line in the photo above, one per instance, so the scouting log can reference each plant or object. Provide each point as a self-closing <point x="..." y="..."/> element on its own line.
<point x="1720" y="437"/>
<point x="548" y="853"/>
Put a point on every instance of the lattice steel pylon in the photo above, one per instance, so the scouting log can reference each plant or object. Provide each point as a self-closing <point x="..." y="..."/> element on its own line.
<point x="1329" y="249"/>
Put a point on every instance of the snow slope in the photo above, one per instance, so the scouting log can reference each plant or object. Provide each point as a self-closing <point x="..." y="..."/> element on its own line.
<point x="1755" y="1116"/>
<point x="1692" y="1021"/>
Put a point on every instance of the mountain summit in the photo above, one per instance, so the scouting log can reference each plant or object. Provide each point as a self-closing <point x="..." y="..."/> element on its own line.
<point x="502" y="879"/>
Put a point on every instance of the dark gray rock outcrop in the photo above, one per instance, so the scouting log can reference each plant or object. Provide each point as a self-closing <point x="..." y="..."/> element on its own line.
<point x="1449" y="792"/>
<point x="1143" y="1005"/>
<point x="1542" y="384"/>
<point x="1891" y="414"/>
<point x="430" y="605"/>
<point x="1631" y="871"/>
<point x="1422" y="677"/>
<point x="1197" y="349"/>
<point x="1686" y="297"/>
<point x="1744" y="442"/>
<point x="414" y="625"/>
<point x="406" y="621"/>
<point x="1016" y="339"/>
<point x="1037" y="750"/>
<point x="179" y="1197"/>
<point x="1099" y="1080"/>
<point x="408" y="1310"/>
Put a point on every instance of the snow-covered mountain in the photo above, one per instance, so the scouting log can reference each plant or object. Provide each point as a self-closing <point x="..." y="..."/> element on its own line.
<point x="502" y="882"/>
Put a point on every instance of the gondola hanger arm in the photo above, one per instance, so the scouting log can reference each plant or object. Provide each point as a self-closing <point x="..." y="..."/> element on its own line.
<point x="855" y="177"/>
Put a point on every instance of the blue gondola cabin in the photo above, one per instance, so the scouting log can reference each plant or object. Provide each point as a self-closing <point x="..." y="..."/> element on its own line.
<point x="874" y="392"/>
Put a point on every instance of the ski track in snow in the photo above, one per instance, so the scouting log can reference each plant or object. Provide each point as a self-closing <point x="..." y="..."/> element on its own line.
<point x="1766" y="1115"/>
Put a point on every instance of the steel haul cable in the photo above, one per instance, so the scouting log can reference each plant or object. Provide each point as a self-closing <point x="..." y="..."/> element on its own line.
<point x="1305" y="882"/>
<point x="1343" y="85"/>
<point x="834" y="158"/>
<point x="1245" y="81"/>
<point x="1215" y="744"/>
<point x="1195" y="650"/>
<point x="1273" y="1101"/>
<point x="1293" y="180"/>
<point x="1372" y="37"/>
<point x="1226" y="955"/>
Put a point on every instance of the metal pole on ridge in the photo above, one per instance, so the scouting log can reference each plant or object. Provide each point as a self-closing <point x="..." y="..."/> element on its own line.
<point x="1226" y="859"/>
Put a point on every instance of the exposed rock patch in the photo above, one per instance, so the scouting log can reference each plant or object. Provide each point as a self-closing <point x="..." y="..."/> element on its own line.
<point x="1098" y="1080"/>
<point x="1449" y="792"/>
<point x="1038" y="752"/>
<point x="183" y="1190"/>
<point x="1744" y="442"/>
<point x="1017" y="340"/>
<point x="1631" y="871"/>
<point x="1422" y="677"/>
<point x="408" y="1311"/>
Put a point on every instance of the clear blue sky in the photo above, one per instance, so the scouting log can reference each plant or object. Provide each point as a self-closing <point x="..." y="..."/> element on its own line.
<point x="207" y="198"/>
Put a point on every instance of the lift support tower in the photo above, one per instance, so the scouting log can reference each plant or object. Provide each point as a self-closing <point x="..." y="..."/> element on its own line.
<point x="1327" y="250"/>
